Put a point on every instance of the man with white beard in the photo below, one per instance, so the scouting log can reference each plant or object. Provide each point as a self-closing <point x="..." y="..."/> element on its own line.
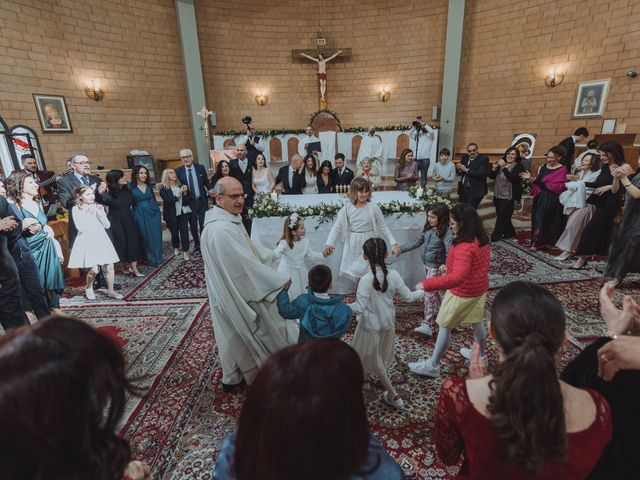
<point x="242" y="290"/>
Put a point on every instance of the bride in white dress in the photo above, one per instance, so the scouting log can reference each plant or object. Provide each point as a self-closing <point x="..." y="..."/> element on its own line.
<point x="263" y="181"/>
<point x="310" y="175"/>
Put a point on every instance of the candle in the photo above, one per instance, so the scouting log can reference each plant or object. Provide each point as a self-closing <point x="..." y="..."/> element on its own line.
<point x="274" y="196"/>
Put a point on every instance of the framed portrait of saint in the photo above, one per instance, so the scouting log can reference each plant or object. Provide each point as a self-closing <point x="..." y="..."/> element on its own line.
<point x="591" y="98"/>
<point x="52" y="112"/>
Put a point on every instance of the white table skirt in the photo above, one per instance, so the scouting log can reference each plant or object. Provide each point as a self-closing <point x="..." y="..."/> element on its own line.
<point x="267" y="232"/>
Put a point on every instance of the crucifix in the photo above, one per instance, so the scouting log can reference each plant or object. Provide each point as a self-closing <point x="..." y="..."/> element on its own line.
<point x="205" y="114"/>
<point x="321" y="56"/>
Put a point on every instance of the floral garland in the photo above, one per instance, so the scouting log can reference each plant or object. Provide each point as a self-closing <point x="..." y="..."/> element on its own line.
<point x="297" y="131"/>
<point x="266" y="206"/>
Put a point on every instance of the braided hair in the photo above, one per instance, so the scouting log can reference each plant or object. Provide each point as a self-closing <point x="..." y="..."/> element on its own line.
<point x="375" y="249"/>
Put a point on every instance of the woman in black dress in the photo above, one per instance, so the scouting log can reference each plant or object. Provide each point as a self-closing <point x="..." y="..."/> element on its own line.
<point x="507" y="192"/>
<point x="126" y="239"/>
<point x="325" y="180"/>
<point x="597" y="235"/>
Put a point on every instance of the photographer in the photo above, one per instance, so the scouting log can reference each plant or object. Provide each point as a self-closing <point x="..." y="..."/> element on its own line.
<point x="251" y="140"/>
<point x="422" y="135"/>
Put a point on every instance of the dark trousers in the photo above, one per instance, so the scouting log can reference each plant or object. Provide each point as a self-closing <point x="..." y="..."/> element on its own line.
<point x="504" y="228"/>
<point x="423" y="166"/>
<point x="11" y="309"/>
<point x="475" y="201"/>
<point x="30" y="278"/>
<point x="198" y="208"/>
<point x="179" y="229"/>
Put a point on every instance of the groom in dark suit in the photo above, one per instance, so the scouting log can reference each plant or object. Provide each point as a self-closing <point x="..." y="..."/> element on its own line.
<point x="194" y="176"/>
<point x="474" y="170"/>
<point x="292" y="176"/>
<point x="342" y="175"/>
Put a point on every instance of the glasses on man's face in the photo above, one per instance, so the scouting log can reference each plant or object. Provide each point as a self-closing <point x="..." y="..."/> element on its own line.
<point x="82" y="163"/>
<point x="235" y="196"/>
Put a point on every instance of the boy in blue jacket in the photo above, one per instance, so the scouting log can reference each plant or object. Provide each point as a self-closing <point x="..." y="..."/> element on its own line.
<point x="320" y="316"/>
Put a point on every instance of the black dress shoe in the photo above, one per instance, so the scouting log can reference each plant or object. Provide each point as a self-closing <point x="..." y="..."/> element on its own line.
<point x="230" y="388"/>
<point x="196" y="248"/>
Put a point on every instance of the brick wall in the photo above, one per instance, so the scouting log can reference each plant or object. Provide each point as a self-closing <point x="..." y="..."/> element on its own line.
<point x="131" y="48"/>
<point x="246" y="45"/>
<point x="508" y="48"/>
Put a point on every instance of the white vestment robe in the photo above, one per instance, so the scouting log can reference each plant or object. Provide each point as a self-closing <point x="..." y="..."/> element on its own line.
<point x="242" y="289"/>
<point x="370" y="147"/>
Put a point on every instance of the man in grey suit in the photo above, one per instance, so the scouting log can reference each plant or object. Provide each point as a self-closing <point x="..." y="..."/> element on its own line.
<point x="67" y="186"/>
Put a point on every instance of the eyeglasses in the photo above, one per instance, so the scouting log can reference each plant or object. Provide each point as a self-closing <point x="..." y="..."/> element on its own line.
<point x="235" y="196"/>
<point x="82" y="163"/>
<point x="186" y="156"/>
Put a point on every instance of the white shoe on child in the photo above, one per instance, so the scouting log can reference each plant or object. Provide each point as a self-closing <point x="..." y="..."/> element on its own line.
<point x="424" y="329"/>
<point x="466" y="353"/>
<point x="396" y="402"/>
<point x="115" y="295"/>
<point x="425" y="368"/>
<point x="90" y="293"/>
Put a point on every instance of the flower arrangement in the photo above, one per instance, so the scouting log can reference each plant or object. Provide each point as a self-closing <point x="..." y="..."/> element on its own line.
<point x="428" y="196"/>
<point x="267" y="206"/>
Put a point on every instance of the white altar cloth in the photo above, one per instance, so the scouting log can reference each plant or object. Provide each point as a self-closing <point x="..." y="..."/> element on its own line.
<point x="404" y="227"/>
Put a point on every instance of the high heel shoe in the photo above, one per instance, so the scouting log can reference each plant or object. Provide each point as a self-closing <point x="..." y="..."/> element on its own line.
<point x="577" y="266"/>
<point x="137" y="274"/>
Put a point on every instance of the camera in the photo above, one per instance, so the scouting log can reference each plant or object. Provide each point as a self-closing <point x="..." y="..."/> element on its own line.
<point x="418" y="125"/>
<point x="246" y="120"/>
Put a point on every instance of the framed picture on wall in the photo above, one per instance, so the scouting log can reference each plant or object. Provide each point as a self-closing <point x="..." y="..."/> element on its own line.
<point x="52" y="112"/>
<point x="591" y="98"/>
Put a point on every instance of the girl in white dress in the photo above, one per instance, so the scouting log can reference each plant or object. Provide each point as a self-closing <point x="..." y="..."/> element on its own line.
<point x="375" y="334"/>
<point x="295" y="254"/>
<point x="263" y="181"/>
<point x="357" y="221"/>
<point x="92" y="246"/>
<point x="310" y="175"/>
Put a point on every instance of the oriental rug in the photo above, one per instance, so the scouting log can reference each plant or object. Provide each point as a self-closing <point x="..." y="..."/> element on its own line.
<point x="179" y="427"/>
<point x="149" y="335"/>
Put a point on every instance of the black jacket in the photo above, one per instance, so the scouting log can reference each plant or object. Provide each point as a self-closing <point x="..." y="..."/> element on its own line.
<point x="246" y="178"/>
<point x="514" y="177"/>
<point x="570" y="146"/>
<point x="345" y="179"/>
<point x="298" y="182"/>
<point x="474" y="183"/>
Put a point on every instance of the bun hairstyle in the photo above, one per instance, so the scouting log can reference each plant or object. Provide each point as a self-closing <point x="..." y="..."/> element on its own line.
<point x="291" y="224"/>
<point x="559" y="151"/>
<point x="526" y="404"/>
<point x="375" y="249"/>
<point x="441" y="211"/>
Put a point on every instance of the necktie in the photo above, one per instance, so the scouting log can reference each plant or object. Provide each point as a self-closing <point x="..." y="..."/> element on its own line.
<point x="191" y="181"/>
<point x="85" y="180"/>
<point x="341" y="172"/>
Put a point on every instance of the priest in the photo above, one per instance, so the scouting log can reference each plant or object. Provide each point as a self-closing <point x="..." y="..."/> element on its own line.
<point x="371" y="148"/>
<point x="242" y="289"/>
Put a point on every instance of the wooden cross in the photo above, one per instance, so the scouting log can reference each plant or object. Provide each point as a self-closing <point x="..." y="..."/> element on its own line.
<point x="321" y="56"/>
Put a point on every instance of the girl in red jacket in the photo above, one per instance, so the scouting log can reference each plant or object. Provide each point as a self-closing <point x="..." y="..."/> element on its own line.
<point x="466" y="282"/>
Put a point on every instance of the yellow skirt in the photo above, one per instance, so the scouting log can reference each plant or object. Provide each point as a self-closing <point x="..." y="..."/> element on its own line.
<point x="455" y="311"/>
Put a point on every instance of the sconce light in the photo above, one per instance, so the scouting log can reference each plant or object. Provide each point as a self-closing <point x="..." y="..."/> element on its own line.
<point x="262" y="99"/>
<point x="384" y="94"/>
<point x="554" y="79"/>
<point x="94" y="93"/>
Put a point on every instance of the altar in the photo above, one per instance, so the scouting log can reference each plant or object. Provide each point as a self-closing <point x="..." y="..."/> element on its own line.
<point x="404" y="227"/>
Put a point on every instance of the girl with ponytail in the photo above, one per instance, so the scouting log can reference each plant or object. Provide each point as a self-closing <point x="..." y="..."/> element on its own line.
<point x="375" y="334"/>
<point x="521" y="422"/>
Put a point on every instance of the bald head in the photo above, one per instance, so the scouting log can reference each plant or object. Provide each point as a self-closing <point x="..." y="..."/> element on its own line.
<point x="229" y="195"/>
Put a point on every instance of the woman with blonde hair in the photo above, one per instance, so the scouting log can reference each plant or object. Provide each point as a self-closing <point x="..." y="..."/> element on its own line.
<point x="174" y="212"/>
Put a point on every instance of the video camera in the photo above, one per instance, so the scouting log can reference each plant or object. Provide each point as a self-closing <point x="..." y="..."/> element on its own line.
<point x="418" y="125"/>
<point x="246" y="120"/>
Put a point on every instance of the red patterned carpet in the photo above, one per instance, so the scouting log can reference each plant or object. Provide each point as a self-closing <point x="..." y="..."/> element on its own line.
<point x="166" y="334"/>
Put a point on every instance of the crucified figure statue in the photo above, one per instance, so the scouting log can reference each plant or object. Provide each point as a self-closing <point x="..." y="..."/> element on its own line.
<point x="322" y="70"/>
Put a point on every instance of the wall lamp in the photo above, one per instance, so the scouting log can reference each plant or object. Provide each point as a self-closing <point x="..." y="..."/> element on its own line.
<point x="262" y="98"/>
<point x="94" y="93"/>
<point x="384" y="94"/>
<point x="554" y="79"/>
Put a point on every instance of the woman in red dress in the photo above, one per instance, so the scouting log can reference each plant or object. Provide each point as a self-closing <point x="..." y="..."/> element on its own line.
<point x="522" y="422"/>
